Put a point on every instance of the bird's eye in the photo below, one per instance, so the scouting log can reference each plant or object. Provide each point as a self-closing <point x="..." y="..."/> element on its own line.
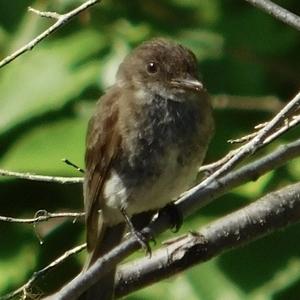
<point x="152" y="67"/>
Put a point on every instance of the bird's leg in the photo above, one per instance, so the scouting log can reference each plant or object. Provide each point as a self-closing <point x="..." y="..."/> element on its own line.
<point x="142" y="239"/>
<point x="142" y="220"/>
<point x="174" y="214"/>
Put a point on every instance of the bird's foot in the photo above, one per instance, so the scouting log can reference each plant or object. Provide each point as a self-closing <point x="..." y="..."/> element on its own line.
<point x="142" y="238"/>
<point x="174" y="214"/>
<point x="143" y="241"/>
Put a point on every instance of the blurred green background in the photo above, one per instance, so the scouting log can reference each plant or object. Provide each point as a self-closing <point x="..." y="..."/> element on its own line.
<point x="48" y="95"/>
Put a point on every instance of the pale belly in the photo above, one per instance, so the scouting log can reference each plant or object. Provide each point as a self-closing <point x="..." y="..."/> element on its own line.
<point x="155" y="193"/>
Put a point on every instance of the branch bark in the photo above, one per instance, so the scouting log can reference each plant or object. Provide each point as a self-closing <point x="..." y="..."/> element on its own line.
<point x="34" y="177"/>
<point x="42" y="216"/>
<point x="277" y="12"/>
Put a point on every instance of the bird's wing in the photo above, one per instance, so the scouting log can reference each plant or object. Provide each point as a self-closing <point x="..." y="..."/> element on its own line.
<point x="103" y="146"/>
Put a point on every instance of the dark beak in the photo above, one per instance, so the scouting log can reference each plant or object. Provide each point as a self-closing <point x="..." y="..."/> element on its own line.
<point x="187" y="84"/>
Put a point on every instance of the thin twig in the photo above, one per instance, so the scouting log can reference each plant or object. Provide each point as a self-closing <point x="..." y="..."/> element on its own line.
<point x="69" y="163"/>
<point x="61" y="20"/>
<point x="29" y="284"/>
<point x="43" y="178"/>
<point x="278" y="12"/>
<point x="41" y="216"/>
<point x="212" y="167"/>
<point x="243" y="139"/>
<point x="261" y="125"/>
<point x="289" y="125"/>
<point x="45" y="14"/>
<point x="272" y="135"/>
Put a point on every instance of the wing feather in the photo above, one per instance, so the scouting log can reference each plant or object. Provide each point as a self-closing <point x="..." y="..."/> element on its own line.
<point x="102" y="147"/>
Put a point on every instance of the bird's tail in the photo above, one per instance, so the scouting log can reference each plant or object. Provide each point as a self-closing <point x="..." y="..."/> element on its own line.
<point x="104" y="288"/>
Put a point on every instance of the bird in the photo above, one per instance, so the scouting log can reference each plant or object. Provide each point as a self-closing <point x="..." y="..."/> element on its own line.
<point x="145" y="142"/>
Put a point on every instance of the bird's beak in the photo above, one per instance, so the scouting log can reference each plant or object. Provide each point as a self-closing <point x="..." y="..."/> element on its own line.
<point x="187" y="84"/>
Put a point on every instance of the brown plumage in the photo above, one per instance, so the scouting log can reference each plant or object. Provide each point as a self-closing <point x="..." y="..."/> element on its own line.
<point x="145" y="142"/>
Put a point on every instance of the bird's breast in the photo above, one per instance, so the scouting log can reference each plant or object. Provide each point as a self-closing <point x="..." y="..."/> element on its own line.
<point x="164" y="148"/>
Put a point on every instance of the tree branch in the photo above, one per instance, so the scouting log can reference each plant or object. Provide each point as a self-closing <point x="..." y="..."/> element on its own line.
<point x="33" y="177"/>
<point x="272" y="212"/>
<point x="45" y="14"/>
<point x="278" y="12"/>
<point x="42" y="216"/>
<point x="211" y="191"/>
<point x="289" y="124"/>
<point x="61" y="20"/>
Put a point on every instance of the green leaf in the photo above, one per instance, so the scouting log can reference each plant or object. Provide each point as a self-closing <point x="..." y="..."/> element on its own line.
<point x="16" y="256"/>
<point x="254" y="189"/>
<point x="41" y="149"/>
<point x="205" y="44"/>
<point x="210" y="282"/>
<point x="175" y="288"/>
<point x="47" y="79"/>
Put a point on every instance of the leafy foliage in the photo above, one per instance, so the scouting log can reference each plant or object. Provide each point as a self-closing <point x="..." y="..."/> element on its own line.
<point x="47" y="96"/>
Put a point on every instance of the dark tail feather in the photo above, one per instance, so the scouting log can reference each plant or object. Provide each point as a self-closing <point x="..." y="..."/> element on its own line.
<point x="104" y="289"/>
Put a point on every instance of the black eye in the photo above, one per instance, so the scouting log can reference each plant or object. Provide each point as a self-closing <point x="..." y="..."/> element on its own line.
<point x="152" y="67"/>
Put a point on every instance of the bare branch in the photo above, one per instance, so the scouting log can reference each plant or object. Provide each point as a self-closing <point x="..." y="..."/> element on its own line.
<point x="246" y="150"/>
<point x="24" y="289"/>
<point x="278" y="12"/>
<point x="45" y="14"/>
<point x="243" y="139"/>
<point x="272" y="212"/>
<point x="42" y="216"/>
<point x="209" y="192"/>
<point x="61" y="20"/>
<point x="210" y="168"/>
<point x="43" y="178"/>
<point x="287" y="126"/>
<point x="69" y="163"/>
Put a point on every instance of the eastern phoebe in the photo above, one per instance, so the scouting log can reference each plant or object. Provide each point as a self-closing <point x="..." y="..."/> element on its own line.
<point x="145" y="143"/>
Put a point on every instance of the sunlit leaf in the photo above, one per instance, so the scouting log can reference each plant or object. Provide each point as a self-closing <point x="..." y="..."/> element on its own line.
<point x="42" y="149"/>
<point x="47" y="79"/>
